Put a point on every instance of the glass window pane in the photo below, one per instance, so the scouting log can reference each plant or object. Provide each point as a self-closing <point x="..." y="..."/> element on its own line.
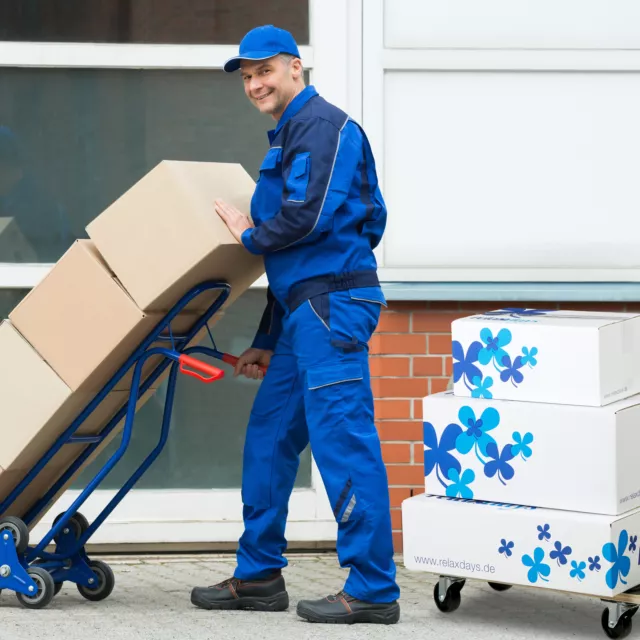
<point x="208" y="425"/>
<point x="153" y="21"/>
<point x="73" y="140"/>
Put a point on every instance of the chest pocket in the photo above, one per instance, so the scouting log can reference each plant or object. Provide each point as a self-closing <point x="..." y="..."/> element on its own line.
<point x="272" y="161"/>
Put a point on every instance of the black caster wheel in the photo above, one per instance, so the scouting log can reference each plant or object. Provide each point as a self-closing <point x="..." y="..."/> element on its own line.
<point x="44" y="592"/>
<point x="104" y="585"/>
<point x="622" y="629"/>
<point x="497" y="586"/>
<point x="57" y="588"/>
<point x="451" y="599"/>
<point x="77" y="523"/>
<point x="18" y="529"/>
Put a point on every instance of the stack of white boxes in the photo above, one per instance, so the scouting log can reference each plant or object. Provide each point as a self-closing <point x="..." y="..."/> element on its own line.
<point x="531" y="464"/>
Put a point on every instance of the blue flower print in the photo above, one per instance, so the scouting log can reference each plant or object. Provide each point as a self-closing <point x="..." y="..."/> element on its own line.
<point x="493" y="346"/>
<point x="594" y="564"/>
<point x="560" y="553"/>
<point x="482" y="387"/>
<point x="499" y="463"/>
<point x="460" y="484"/>
<point x="463" y="365"/>
<point x="543" y="532"/>
<point x="529" y="356"/>
<point x="632" y="543"/>
<point x="476" y="430"/>
<point x="577" y="570"/>
<point x="436" y="454"/>
<point x="510" y="372"/>
<point x="521" y="445"/>
<point x="538" y="568"/>
<point x="621" y="563"/>
<point x="506" y="548"/>
<point x="518" y="312"/>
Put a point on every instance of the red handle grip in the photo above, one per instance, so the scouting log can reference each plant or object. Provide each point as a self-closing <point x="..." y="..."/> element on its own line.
<point x="197" y="368"/>
<point x="232" y="360"/>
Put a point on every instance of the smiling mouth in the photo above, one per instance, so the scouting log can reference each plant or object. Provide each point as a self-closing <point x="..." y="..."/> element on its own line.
<point x="260" y="98"/>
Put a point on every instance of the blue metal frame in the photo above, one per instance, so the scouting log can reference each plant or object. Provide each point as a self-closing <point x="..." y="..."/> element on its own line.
<point x="69" y="561"/>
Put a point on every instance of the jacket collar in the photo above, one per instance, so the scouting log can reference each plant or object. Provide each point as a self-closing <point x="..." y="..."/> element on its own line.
<point x="292" y="109"/>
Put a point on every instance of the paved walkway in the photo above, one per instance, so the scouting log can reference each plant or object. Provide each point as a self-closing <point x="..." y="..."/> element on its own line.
<point x="151" y="602"/>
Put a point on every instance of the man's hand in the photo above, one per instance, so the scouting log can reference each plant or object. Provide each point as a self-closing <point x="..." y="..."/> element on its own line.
<point x="249" y="361"/>
<point x="237" y="221"/>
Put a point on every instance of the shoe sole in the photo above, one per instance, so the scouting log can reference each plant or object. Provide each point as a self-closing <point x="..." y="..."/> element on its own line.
<point x="277" y="602"/>
<point x="390" y="615"/>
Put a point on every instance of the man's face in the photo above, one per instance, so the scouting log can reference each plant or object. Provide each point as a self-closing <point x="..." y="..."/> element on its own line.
<point x="271" y="84"/>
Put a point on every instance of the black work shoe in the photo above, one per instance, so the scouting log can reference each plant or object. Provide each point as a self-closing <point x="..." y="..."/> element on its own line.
<point x="345" y="609"/>
<point x="266" y="594"/>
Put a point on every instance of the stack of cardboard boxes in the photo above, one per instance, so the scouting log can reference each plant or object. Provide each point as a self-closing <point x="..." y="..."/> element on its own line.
<point x="531" y="465"/>
<point x="73" y="331"/>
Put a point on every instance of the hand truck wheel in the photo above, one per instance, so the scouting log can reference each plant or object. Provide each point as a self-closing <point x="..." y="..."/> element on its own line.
<point x="446" y="594"/>
<point x="77" y="523"/>
<point x="105" y="581"/>
<point x="45" y="589"/>
<point x="18" y="529"/>
<point x="498" y="586"/>
<point x="622" y="628"/>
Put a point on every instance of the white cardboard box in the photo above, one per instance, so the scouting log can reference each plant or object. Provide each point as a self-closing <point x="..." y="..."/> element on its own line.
<point x="545" y="455"/>
<point x="564" y="357"/>
<point x="583" y="553"/>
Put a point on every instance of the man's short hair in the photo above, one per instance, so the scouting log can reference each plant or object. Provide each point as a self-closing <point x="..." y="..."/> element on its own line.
<point x="286" y="57"/>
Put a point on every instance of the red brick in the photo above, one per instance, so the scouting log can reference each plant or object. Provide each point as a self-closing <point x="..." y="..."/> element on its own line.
<point x="393" y="322"/>
<point x="394" y="453"/>
<point x="418" y="453"/>
<point x="400" y="387"/>
<point x="389" y="366"/>
<point x="392" y="409"/>
<point x="632" y="307"/>
<point x="439" y="344"/>
<point x="427" y="366"/>
<point x="592" y="306"/>
<point x="405" y="474"/>
<point x="439" y="384"/>
<point x="417" y="409"/>
<point x="396" y="519"/>
<point x="433" y="322"/>
<point x="443" y="305"/>
<point x="407" y="306"/>
<point x="411" y="430"/>
<point x="481" y="306"/>
<point x="398" y="494"/>
<point x="397" y="541"/>
<point x="397" y="344"/>
<point x="448" y="367"/>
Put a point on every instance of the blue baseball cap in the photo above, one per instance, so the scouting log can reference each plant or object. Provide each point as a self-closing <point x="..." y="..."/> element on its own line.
<point x="262" y="43"/>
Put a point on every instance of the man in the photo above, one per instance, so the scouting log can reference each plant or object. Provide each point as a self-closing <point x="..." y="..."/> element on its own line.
<point x="318" y="215"/>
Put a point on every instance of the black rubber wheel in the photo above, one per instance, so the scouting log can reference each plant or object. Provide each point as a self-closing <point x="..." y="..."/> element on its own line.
<point x="105" y="582"/>
<point x="77" y="523"/>
<point x="45" y="589"/>
<point x="621" y="630"/>
<point x="18" y="529"/>
<point x="451" y="600"/>
<point x="497" y="586"/>
<point x="57" y="588"/>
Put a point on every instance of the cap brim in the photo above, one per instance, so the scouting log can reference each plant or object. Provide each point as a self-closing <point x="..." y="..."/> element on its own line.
<point x="233" y="64"/>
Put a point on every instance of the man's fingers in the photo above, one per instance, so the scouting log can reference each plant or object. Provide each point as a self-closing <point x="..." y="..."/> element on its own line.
<point x="240" y="365"/>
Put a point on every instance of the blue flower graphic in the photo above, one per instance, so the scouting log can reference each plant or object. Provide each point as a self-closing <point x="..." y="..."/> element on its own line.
<point x="521" y="445"/>
<point x="632" y="543"/>
<point x="463" y="365"/>
<point x="482" y="387"/>
<point x="493" y="346"/>
<point x="516" y="312"/>
<point x="538" y="568"/>
<point x="511" y="371"/>
<point x="499" y="462"/>
<point x="506" y="548"/>
<point x="594" y="564"/>
<point x="543" y="532"/>
<point x="560" y="553"/>
<point x="436" y="454"/>
<point x="460" y="484"/>
<point x="577" y="570"/>
<point x="476" y="430"/>
<point x="529" y="356"/>
<point x="621" y="563"/>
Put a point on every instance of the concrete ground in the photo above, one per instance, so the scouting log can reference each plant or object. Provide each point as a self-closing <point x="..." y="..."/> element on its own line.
<point x="151" y="601"/>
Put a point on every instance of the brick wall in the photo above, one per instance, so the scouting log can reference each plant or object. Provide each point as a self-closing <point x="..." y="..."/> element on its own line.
<point x="411" y="358"/>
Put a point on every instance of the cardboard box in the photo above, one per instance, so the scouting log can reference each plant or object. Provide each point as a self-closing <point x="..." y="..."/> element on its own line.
<point x="163" y="236"/>
<point x="564" y="550"/>
<point x="562" y="357"/>
<point x="544" y="455"/>
<point x="82" y="322"/>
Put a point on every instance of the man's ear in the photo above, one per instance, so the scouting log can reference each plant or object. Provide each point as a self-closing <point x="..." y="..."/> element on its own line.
<point x="297" y="68"/>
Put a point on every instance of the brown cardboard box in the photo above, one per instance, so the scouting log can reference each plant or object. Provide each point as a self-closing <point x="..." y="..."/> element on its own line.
<point x="81" y="320"/>
<point x="163" y="237"/>
<point x="37" y="407"/>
